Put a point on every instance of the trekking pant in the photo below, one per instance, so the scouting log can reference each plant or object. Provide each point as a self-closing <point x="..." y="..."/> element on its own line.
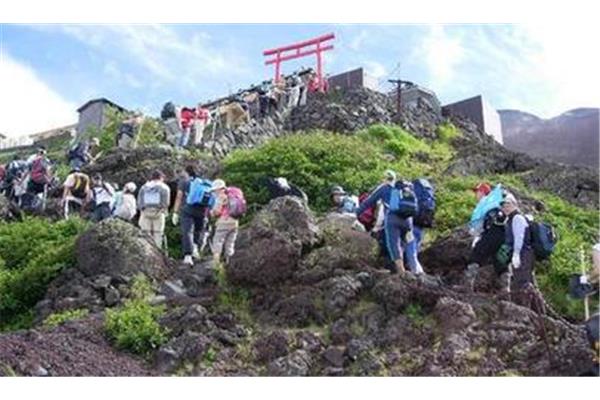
<point x="394" y="229"/>
<point x="173" y="130"/>
<point x="294" y="96"/>
<point x="152" y="222"/>
<point x="523" y="276"/>
<point x="126" y="142"/>
<point x="101" y="212"/>
<point x="224" y="238"/>
<point x="192" y="232"/>
<point x="487" y="247"/>
<point x="76" y="163"/>
<point x="183" y="139"/>
<point x="411" y="251"/>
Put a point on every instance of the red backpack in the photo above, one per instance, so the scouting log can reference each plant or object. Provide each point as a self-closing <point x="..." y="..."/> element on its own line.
<point x="368" y="217"/>
<point x="2" y="172"/>
<point x="237" y="202"/>
<point x="39" y="172"/>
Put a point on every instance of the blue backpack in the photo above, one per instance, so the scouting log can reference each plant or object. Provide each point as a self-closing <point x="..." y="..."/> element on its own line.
<point x="543" y="239"/>
<point x="403" y="201"/>
<point x="426" y="201"/>
<point x="199" y="193"/>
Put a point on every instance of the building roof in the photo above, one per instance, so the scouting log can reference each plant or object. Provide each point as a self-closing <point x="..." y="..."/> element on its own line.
<point x="52" y="132"/>
<point x="468" y="100"/>
<point x="101" y="100"/>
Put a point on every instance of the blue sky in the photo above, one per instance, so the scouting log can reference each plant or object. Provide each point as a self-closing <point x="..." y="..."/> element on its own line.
<point x="55" y="68"/>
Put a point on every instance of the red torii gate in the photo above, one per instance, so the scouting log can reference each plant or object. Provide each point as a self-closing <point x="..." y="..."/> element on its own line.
<point x="301" y="49"/>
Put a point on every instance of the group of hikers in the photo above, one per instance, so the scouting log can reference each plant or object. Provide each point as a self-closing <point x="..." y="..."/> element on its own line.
<point x="185" y="126"/>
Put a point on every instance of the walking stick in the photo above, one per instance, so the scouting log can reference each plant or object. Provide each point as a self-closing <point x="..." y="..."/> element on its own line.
<point x="586" y="300"/>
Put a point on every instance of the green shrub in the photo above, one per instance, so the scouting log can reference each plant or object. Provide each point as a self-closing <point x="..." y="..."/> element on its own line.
<point x="313" y="161"/>
<point x="447" y="131"/>
<point x="134" y="326"/>
<point x="34" y="252"/>
<point x="56" y="319"/>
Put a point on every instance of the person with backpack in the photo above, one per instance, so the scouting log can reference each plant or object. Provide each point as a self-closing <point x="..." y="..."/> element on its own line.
<point x="80" y="154"/>
<point x="193" y="200"/>
<point x="125" y="205"/>
<point x="153" y="202"/>
<point x="76" y="192"/>
<point x="400" y="206"/>
<point x="517" y="253"/>
<point x="128" y="131"/>
<point x="280" y="186"/>
<point x="187" y="117"/>
<point x="229" y="206"/>
<point x="342" y="202"/>
<point x="487" y="228"/>
<point x="425" y="194"/>
<point x="39" y="179"/>
<point x="102" y="198"/>
<point x="171" y="117"/>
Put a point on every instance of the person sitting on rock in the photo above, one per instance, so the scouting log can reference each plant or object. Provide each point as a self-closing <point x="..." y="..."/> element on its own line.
<point x="397" y="227"/>
<point x="153" y="202"/>
<point x="487" y="239"/>
<point x="193" y="200"/>
<point x="125" y="206"/>
<point x="518" y="242"/>
<point x="280" y="186"/>
<point x="76" y="192"/>
<point x="102" y="198"/>
<point x="342" y="202"/>
<point x="226" y="226"/>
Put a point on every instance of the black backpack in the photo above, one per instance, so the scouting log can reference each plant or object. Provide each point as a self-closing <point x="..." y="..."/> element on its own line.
<point x="126" y="129"/>
<point x="168" y="111"/>
<point x="543" y="239"/>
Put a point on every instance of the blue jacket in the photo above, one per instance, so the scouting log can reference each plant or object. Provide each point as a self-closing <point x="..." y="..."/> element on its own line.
<point x="382" y="192"/>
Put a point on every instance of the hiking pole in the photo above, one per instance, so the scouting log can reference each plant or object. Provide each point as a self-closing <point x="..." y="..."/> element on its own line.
<point x="586" y="300"/>
<point x="44" y="197"/>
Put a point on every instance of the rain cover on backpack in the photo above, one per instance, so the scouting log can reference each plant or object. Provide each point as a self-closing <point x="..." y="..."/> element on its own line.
<point x="488" y="203"/>
<point x="199" y="193"/>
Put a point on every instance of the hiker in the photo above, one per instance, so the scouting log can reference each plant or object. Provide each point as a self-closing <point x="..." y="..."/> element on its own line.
<point x="125" y="205"/>
<point x="201" y="121"/>
<point x="229" y="206"/>
<point x="488" y="236"/>
<point x="187" y="117"/>
<point x="14" y="172"/>
<point x="76" y="192"/>
<point x="171" y="117"/>
<point x="193" y="201"/>
<point x="341" y="201"/>
<point x="293" y="91"/>
<point x="153" y="202"/>
<point x="519" y="256"/>
<point x="279" y="187"/>
<point x="399" y="208"/>
<point x="102" y="194"/>
<point x="81" y="153"/>
<point x="40" y="177"/>
<point x="128" y="131"/>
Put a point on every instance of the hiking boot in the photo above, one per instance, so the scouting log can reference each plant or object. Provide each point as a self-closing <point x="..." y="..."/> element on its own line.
<point x="188" y="260"/>
<point x="195" y="252"/>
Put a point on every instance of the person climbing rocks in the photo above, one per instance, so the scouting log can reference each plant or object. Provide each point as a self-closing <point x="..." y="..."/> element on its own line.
<point x="171" y="117"/>
<point x="187" y="117"/>
<point x="488" y="236"/>
<point x="102" y="198"/>
<point x="128" y="131"/>
<point x="229" y="206"/>
<point x="125" y="205"/>
<point x="342" y="202"/>
<point x="76" y="192"/>
<point x="80" y="154"/>
<point x="40" y="176"/>
<point x="193" y="201"/>
<point x="280" y="186"/>
<point x="153" y="201"/>
<point x="397" y="221"/>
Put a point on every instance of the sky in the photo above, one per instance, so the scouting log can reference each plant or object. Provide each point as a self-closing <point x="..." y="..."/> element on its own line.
<point x="48" y="71"/>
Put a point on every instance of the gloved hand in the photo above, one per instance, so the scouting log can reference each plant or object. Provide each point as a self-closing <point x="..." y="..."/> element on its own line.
<point x="475" y="240"/>
<point x="175" y="218"/>
<point x="516" y="261"/>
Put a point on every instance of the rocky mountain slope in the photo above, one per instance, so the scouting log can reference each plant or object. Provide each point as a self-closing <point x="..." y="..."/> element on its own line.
<point x="570" y="138"/>
<point x="304" y="294"/>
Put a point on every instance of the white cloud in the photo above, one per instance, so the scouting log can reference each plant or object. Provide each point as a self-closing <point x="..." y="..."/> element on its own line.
<point x="442" y="54"/>
<point x="375" y="69"/>
<point x="28" y="105"/>
<point x="357" y="42"/>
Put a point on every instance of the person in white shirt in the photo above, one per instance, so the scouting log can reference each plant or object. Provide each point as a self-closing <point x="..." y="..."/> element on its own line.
<point x="125" y="206"/>
<point x="102" y="197"/>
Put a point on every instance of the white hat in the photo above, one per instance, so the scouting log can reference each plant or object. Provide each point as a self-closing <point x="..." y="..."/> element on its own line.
<point x="389" y="175"/>
<point x="130" y="187"/>
<point x="282" y="182"/>
<point x="218" y="184"/>
<point x="95" y="141"/>
<point x="509" y="198"/>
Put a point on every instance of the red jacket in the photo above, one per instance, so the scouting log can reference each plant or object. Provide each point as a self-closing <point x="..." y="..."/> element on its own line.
<point x="187" y="117"/>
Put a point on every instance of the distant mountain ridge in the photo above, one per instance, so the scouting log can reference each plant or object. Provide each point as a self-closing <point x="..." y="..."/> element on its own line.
<point x="570" y="138"/>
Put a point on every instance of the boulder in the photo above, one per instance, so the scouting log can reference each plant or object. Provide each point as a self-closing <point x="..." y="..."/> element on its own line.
<point x="269" y="248"/>
<point x="119" y="250"/>
<point x="297" y="363"/>
<point x="453" y="315"/>
<point x="272" y="346"/>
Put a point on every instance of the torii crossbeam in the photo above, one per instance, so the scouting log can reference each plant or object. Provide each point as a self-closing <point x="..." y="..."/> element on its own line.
<point x="306" y="48"/>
